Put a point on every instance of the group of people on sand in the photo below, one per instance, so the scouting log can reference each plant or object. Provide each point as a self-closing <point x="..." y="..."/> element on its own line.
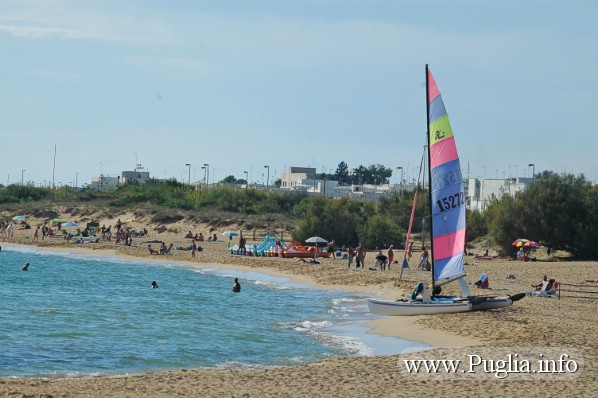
<point x="43" y="230"/>
<point x="358" y="254"/>
<point x="200" y="237"/>
<point x="162" y="251"/>
<point x="523" y="256"/>
<point x="197" y="237"/>
<point x="382" y="261"/>
<point x="7" y="230"/>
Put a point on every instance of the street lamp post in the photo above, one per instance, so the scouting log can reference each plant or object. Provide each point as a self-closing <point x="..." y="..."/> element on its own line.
<point x="204" y="174"/>
<point x="268" y="177"/>
<point x="77" y="180"/>
<point x="208" y="171"/>
<point x="22" y="173"/>
<point x="533" y="166"/>
<point x="246" y="179"/>
<point x="189" y="166"/>
<point x="401" y="168"/>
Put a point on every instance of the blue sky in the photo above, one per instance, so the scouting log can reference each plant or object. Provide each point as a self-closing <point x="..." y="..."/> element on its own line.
<point x="243" y="84"/>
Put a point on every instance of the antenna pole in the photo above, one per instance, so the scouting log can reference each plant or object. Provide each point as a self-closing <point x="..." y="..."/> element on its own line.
<point x="53" y="174"/>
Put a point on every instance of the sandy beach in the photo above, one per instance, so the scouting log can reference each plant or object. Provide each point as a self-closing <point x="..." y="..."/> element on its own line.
<point x="562" y="331"/>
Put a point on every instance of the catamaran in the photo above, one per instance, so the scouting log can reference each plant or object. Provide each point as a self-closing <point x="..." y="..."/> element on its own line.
<point x="447" y="202"/>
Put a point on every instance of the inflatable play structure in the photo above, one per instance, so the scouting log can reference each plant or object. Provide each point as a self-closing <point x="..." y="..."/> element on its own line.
<point x="296" y="250"/>
<point x="270" y="247"/>
<point x="273" y="246"/>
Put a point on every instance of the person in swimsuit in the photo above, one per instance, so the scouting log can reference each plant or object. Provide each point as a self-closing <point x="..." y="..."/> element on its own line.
<point x="236" y="286"/>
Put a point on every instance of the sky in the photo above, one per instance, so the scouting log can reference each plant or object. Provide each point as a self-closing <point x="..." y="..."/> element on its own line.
<point x="239" y="85"/>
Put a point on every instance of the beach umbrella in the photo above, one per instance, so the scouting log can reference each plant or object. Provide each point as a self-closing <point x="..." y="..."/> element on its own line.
<point x="520" y="242"/>
<point x="316" y="240"/>
<point x="19" y="218"/>
<point x="230" y="235"/>
<point x="531" y="243"/>
<point x="69" y="224"/>
<point x="58" y="220"/>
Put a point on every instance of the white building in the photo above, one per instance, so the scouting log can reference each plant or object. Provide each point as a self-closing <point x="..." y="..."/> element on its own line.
<point x="481" y="192"/>
<point x="104" y="182"/>
<point x="294" y="177"/>
<point x="304" y="179"/>
<point x="134" y="176"/>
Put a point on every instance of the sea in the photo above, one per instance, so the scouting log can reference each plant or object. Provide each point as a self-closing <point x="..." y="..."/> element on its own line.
<point x="81" y="315"/>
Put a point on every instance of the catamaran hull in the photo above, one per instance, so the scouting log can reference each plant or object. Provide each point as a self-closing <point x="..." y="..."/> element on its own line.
<point x="492" y="303"/>
<point x="417" y="307"/>
<point x="411" y="308"/>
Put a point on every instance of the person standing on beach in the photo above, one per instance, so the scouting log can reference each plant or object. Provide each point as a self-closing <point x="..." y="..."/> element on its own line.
<point x="193" y="248"/>
<point x="424" y="264"/>
<point x="36" y="234"/>
<point x="242" y="245"/>
<point x="350" y="255"/>
<point x="391" y="255"/>
<point x="360" y="256"/>
<point x="330" y="249"/>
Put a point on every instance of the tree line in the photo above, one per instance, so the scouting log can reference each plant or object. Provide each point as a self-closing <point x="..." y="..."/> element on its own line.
<point x="375" y="174"/>
<point x="558" y="211"/>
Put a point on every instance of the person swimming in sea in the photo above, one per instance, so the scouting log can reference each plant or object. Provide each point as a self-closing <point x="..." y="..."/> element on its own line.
<point x="236" y="286"/>
<point x="25" y="267"/>
<point x="154" y="285"/>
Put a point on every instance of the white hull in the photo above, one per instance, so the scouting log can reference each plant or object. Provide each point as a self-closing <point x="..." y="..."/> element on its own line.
<point x="417" y="307"/>
<point x="409" y="308"/>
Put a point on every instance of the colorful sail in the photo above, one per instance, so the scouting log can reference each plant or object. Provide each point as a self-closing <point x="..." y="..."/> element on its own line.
<point x="446" y="187"/>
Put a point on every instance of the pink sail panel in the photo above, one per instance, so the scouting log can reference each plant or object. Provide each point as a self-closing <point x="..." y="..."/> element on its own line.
<point x="433" y="91"/>
<point x="449" y="245"/>
<point x="443" y="152"/>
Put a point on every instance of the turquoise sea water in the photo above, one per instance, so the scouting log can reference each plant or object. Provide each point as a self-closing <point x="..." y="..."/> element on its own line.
<point x="73" y="315"/>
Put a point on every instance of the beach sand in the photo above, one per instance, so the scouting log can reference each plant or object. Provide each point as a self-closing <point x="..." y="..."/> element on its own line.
<point x="530" y="328"/>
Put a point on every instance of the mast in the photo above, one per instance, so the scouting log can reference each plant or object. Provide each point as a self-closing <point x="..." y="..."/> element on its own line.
<point x="431" y="254"/>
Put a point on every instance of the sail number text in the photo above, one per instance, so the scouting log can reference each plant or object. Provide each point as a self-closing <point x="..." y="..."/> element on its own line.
<point x="451" y="201"/>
